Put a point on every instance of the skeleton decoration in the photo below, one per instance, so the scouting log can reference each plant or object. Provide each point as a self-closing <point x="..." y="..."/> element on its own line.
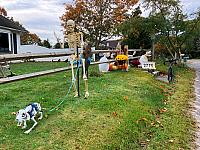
<point x="75" y="40"/>
<point x="28" y="113"/>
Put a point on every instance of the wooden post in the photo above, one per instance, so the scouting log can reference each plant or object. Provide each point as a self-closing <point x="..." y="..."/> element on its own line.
<point x="78" y="59"/>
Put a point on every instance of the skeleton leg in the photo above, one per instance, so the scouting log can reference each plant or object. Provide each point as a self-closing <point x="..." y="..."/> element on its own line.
<point x="85" y="79"/>
<point x="41" y="115"/>
<point x="25" y="125"/>
<point x="73" y="78"/>
<point x="35" y="123"/>
<point x="19" y="124"/>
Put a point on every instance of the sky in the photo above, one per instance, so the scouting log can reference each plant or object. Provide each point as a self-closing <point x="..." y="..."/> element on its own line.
<point x="42" y="16"/>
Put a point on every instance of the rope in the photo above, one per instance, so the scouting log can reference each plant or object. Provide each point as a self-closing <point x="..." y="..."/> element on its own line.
<point x="68" y="89"/>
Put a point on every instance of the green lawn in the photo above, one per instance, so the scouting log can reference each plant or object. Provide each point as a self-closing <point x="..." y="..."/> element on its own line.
<point x="30" y="67"/>
<point x="125" y="110"/>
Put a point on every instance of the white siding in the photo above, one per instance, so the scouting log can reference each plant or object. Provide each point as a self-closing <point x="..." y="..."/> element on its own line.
<point x="18" y="43"/>
<point x="9" y="39"/>
<point x="4" y="31"/>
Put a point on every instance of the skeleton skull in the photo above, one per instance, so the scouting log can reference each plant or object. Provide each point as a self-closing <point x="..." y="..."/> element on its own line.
<point x="21" y="116"/>
<point x="70" y="25"/>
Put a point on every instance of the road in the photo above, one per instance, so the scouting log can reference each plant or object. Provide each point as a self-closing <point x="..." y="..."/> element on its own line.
<point x="195" y="64"/>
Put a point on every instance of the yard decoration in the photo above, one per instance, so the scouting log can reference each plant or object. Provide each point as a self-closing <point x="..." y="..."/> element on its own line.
<point x="105" y="66"/>
<point x="5" y="70"/>
<point x="75" y="40"/>
<point x="121" y="59"/>
<point x="144" y="58"/>
<point x="87" y="55"/>
<point x="114" y="67"/>
<point x="28" y="113"/>
<point x="122" y="62"/>
<point x="145" y="63"/>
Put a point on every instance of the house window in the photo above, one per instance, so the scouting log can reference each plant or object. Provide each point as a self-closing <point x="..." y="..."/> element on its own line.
<point x="4" y="43"/>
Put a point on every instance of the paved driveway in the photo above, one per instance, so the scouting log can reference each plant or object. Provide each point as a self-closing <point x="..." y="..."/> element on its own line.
<point x="195" y="63"/>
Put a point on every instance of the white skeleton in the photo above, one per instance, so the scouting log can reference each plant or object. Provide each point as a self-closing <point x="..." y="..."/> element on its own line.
<point x="75" y="40"/>
<point x="27" y="114"/>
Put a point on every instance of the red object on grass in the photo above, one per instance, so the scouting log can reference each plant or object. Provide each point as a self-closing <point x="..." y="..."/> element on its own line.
<point x="134" y="62"/>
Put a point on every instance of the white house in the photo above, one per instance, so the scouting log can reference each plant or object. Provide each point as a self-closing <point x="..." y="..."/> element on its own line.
<point x="9" y="36"/>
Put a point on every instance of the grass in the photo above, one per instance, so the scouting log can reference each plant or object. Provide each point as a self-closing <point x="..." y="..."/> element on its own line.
<point x="125" y="110"/>
<point x="30" y="67"/>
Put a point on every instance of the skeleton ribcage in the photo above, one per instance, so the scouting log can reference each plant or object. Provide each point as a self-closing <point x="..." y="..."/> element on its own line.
<point x="74" y="39"/>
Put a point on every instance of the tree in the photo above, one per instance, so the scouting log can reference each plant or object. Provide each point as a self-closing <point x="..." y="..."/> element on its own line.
<point x="192" y="44"/>
<point x="170" y="24"/>
<point x="97" y="19"/>
<point x="57" y="45"/>
<point x="30" y="38"/>
<point x="135" y="31"/>
<point x="3" y="12"/>
<point x="46" y="44"/>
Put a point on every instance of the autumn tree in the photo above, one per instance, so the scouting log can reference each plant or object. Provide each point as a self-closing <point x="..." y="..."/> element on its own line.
<point x="28" y="38"/>
<point x="97" y="19"/>
<point x="3" y="12"/>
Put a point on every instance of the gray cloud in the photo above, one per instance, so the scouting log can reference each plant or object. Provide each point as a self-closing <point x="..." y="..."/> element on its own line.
<point x="38" y="16"/>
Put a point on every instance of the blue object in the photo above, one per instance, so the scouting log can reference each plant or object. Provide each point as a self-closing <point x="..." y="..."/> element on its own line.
<point x="89" y="60"/>
<point x="80" y="61"/>
<point x="34" y="107"/>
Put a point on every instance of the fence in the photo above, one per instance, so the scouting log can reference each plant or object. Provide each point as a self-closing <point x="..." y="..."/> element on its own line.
<point x="12" y="57"/>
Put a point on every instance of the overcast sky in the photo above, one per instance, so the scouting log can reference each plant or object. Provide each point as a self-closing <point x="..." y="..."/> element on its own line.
<point x="42" y="16"/>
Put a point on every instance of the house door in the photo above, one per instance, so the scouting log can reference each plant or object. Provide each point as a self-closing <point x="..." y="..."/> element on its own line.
<point x="15" y="43"/>
<point x="4" y="43"/>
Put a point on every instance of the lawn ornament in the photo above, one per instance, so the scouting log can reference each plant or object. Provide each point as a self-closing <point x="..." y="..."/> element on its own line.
<point x="28" y="113"/>
<point x="105" y="66"/>
<point x="110" y="67"/>
<point x="114" y="67"/>
<point x="121" y="59"/>
<point x="145" y="63"/>
<point x="75" y="40"/>
<point x="122" y="62"/>
<point x="135" y="62"/>
<point x="5" y="70"/>
<point x="87" y="55"/>
<point x="143" y="58"/>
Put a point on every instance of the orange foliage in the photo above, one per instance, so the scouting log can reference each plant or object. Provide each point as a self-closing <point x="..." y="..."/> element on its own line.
<point x="30" y="38"/>
<point x="3" y="12"/>
<point x="97" y="17"/>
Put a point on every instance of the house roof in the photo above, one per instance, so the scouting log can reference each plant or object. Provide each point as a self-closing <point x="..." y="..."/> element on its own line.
<point x="112" y="43"/>
<point x="9" y="24"/>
